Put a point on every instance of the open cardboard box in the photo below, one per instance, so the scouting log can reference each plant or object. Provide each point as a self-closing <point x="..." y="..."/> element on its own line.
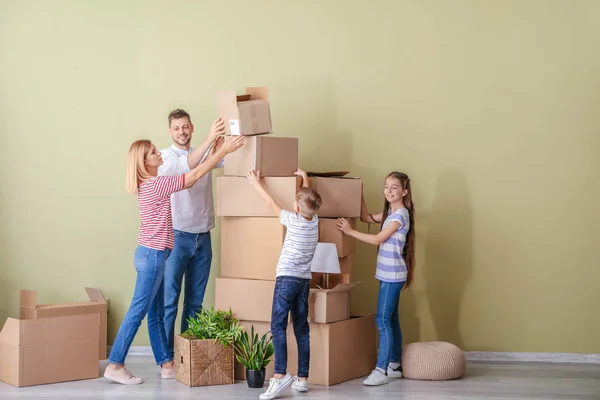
<point x="49" y="350"/>
<point x="330" y="305"/>
<point x="247" y="114"/>
<point x="271" y="155"/>
<point x="30" y="309"/>
<point x="339" y="352"/>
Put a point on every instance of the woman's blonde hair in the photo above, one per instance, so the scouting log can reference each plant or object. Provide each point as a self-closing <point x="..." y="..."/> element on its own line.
<point x="136" y="169"/>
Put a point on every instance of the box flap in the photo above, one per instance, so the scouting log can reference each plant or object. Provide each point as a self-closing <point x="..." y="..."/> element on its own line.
<point x="95" y="295"/>
<point x="227" y="109"/>
<point x="243" y="97"/>
<point x="345" y="287"/>
<point x="10" y="332"/>
<point x="328" y="174"/>
<point x="258" y="93"/>
<point x="28" y="298"/>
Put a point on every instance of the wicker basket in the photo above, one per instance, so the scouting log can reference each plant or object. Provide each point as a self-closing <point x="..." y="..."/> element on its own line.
<point x="203" y="362"/>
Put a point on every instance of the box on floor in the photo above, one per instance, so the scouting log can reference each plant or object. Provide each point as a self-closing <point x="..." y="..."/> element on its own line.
<point x="97" y="305"/>
<point x="49" y="350"/>
<point x="339" y="352"/>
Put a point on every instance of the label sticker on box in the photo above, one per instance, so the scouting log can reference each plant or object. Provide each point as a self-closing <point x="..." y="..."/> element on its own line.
<point x="234" y="126"/>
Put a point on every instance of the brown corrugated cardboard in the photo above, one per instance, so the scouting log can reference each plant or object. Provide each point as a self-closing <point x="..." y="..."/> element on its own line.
<point x="341" y="196"/>
<point x="49" y="350"/>
<point x="260" y="328"/>
<point x="97" y="305"/>
<point x="249" y="299"/>
<point x="339" y="352"/>
<point x="237" y="198"/>
<point x="330" y="305"/>
<point x="250" y="247"/>
<point x="272" y="156"/>
<point x="247" y="114"/>
<point x="330" y="233"/>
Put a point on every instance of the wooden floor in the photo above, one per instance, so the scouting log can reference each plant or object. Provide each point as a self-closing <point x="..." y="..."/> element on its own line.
<point x="483" y="381"/>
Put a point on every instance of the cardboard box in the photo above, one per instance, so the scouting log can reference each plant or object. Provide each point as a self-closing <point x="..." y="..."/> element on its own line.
<point x="237" y="198"/>
<point x="248" y="299"/>
<point x="339" y="352"/>
<point x="329" y="233"/>
<point x="330" y="305"/>
<point x="203" y="362"/>
<point x="260" y="328"/>
<point x="272" y="156"/>
<point x="341" y="196"/>
<point x="49" y="350"/>
<point x="250" y="247"/>
<point x="247" y="114"/>
<point x="97" y="305"/>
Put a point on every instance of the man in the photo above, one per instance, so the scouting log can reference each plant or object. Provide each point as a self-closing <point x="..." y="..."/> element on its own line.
<point x="193" y="218"/>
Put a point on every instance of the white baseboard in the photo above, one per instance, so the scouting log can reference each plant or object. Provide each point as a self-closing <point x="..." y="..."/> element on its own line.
<point x="471" y="356"/>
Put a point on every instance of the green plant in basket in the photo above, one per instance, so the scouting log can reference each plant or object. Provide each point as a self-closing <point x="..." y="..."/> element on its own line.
<point x="254" y="354"/>
<point x="214" y="324"/>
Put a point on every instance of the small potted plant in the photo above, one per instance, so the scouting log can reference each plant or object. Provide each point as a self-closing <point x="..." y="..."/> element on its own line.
<point x="254" y="354"/>
<point x="204" y="352"/>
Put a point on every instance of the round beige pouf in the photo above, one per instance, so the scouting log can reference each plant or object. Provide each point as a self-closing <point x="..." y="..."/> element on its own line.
<point x="433" y="361"/>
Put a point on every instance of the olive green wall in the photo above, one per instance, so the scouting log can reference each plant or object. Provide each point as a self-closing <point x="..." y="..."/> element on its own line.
<point x="490" y="106"/>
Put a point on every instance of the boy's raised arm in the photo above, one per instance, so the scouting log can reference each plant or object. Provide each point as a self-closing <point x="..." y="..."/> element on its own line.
<point x="254" y="178"/>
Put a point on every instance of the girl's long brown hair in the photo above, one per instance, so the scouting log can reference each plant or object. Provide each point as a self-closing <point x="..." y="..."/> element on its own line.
<point x="408" y="254"/>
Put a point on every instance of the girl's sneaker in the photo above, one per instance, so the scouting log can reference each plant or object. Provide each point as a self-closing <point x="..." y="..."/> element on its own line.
<point x="394" y="372"/>
<point x="376" y="378"/>
<point x="300" y="385"/>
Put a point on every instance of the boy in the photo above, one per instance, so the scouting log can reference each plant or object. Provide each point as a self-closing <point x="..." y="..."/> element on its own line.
<point x="292" y="283"/>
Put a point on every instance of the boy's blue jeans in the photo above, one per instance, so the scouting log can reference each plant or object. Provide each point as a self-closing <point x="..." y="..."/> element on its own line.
<point x="147" y="299"/>
<point x="291" y="295"/>
<point x="388" y="324"/>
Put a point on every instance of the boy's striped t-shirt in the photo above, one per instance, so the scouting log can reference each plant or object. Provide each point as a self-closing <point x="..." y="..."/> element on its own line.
<point x="299" y="245"/>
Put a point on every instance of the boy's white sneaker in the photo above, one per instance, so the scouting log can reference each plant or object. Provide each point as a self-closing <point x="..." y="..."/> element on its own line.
<point x="122" y="376"/>
<point x="300" y="385"/>
<point x="276" y="387"/>
<point x="376" y="378"/>
<point x="394" y="372"/>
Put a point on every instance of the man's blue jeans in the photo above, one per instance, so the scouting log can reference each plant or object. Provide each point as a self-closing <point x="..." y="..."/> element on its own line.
<point x="191" y="256"/>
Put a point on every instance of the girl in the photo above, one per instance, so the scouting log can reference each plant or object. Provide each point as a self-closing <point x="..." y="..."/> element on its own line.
<point x="395" y="265"/>
<point x="155" y="242"/>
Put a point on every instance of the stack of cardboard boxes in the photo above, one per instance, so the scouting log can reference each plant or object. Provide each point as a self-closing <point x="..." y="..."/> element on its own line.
<point x="342" y="348"/>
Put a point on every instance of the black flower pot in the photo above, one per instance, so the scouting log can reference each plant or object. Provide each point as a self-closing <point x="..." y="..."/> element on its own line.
<point x="255" y="379"/>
